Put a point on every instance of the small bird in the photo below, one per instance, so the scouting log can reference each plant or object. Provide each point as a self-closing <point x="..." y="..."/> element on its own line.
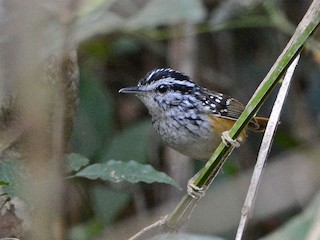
<point x="189" y="118"/>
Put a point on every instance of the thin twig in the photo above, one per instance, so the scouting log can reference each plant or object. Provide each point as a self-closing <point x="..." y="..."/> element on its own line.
<point x="150" y="230"/>
<point x="265" y="149"/>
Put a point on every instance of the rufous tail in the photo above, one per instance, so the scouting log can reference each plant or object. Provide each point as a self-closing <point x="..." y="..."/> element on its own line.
<point x="261" y="124"/>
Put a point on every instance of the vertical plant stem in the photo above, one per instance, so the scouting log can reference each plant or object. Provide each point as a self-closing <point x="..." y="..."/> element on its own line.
<point x="306" y="27"/>
<point x="265" y="149"/>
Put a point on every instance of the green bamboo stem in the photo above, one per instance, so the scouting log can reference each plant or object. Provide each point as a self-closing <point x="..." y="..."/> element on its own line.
<point x="304" y="30"/>
<point x="185" y="207"/>
<point x="306" y="27"/>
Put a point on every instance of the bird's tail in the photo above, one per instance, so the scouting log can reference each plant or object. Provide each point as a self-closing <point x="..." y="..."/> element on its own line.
<point x="258" y="124"/>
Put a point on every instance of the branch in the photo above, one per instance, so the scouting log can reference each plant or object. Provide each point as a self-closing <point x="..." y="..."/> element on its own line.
<point x="304" y="30"/>
<point x="265" y="149"/>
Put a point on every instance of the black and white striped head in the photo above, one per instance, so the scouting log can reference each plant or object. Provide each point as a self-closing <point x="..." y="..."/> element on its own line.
<point x="163" y="80"/>
<point x="162" y="89"/>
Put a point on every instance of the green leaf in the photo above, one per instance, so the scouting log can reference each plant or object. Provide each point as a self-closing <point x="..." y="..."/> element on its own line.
<point x="11" y="175"/>
<point x="134" y="140"/>
<point x="108" y="203"/>
<point x="94" y="117"/>
<point x="2" y="183"/>
<point x="75" y="161"/>
<point x="6" y="172"/>
<point x="117" y="171"/>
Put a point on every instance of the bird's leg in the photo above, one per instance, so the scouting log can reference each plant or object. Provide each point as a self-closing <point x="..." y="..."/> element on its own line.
<point x="226" y="139"/>
<point x="198" y="192"/>
<point x="193" y="190"/>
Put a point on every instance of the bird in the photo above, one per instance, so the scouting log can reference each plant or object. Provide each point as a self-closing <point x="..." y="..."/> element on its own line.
<point x="188" y="117"/>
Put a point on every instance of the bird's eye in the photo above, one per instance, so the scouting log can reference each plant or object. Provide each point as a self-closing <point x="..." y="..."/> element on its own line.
<point x="162" y="88"/>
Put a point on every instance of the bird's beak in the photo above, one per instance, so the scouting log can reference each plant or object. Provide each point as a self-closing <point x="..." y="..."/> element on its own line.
<point x="135" y="90"/>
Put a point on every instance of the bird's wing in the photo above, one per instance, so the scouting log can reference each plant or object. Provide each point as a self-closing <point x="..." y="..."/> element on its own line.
<point x="224" y="106"/>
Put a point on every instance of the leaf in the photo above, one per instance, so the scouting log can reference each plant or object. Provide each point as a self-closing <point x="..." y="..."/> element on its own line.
<point x="75" y="161"/>
<point x="117" y="171"/>
<point x="6" y="172"/>
<point x="135" y="142"/>
<point x="2" y="183"/>
<point x="94" y="117"/>
<point x="108" y="203"/>
<point x="11" y="175"/>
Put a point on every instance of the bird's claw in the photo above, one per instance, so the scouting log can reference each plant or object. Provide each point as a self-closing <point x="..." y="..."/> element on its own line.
<point x="227" y="140"/>
<point x="195" y="191"/>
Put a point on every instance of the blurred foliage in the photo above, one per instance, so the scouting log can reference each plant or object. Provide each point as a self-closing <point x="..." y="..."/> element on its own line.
<point x="303" y="226"/>
<point x="240" y="49"/>
<point x="94" y="117"/>
<point x="85" y="231"/>
<point x="75" y="161"/>
<point x="107" y="203"/>
<point x="132" y="143"/>
<point x="236" y="43"/>
<point x="184" y="236"/>
<point x="12" y="177"/>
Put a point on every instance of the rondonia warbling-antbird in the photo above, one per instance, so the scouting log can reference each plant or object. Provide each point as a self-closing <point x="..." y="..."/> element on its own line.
<point x="189" y="118"/>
